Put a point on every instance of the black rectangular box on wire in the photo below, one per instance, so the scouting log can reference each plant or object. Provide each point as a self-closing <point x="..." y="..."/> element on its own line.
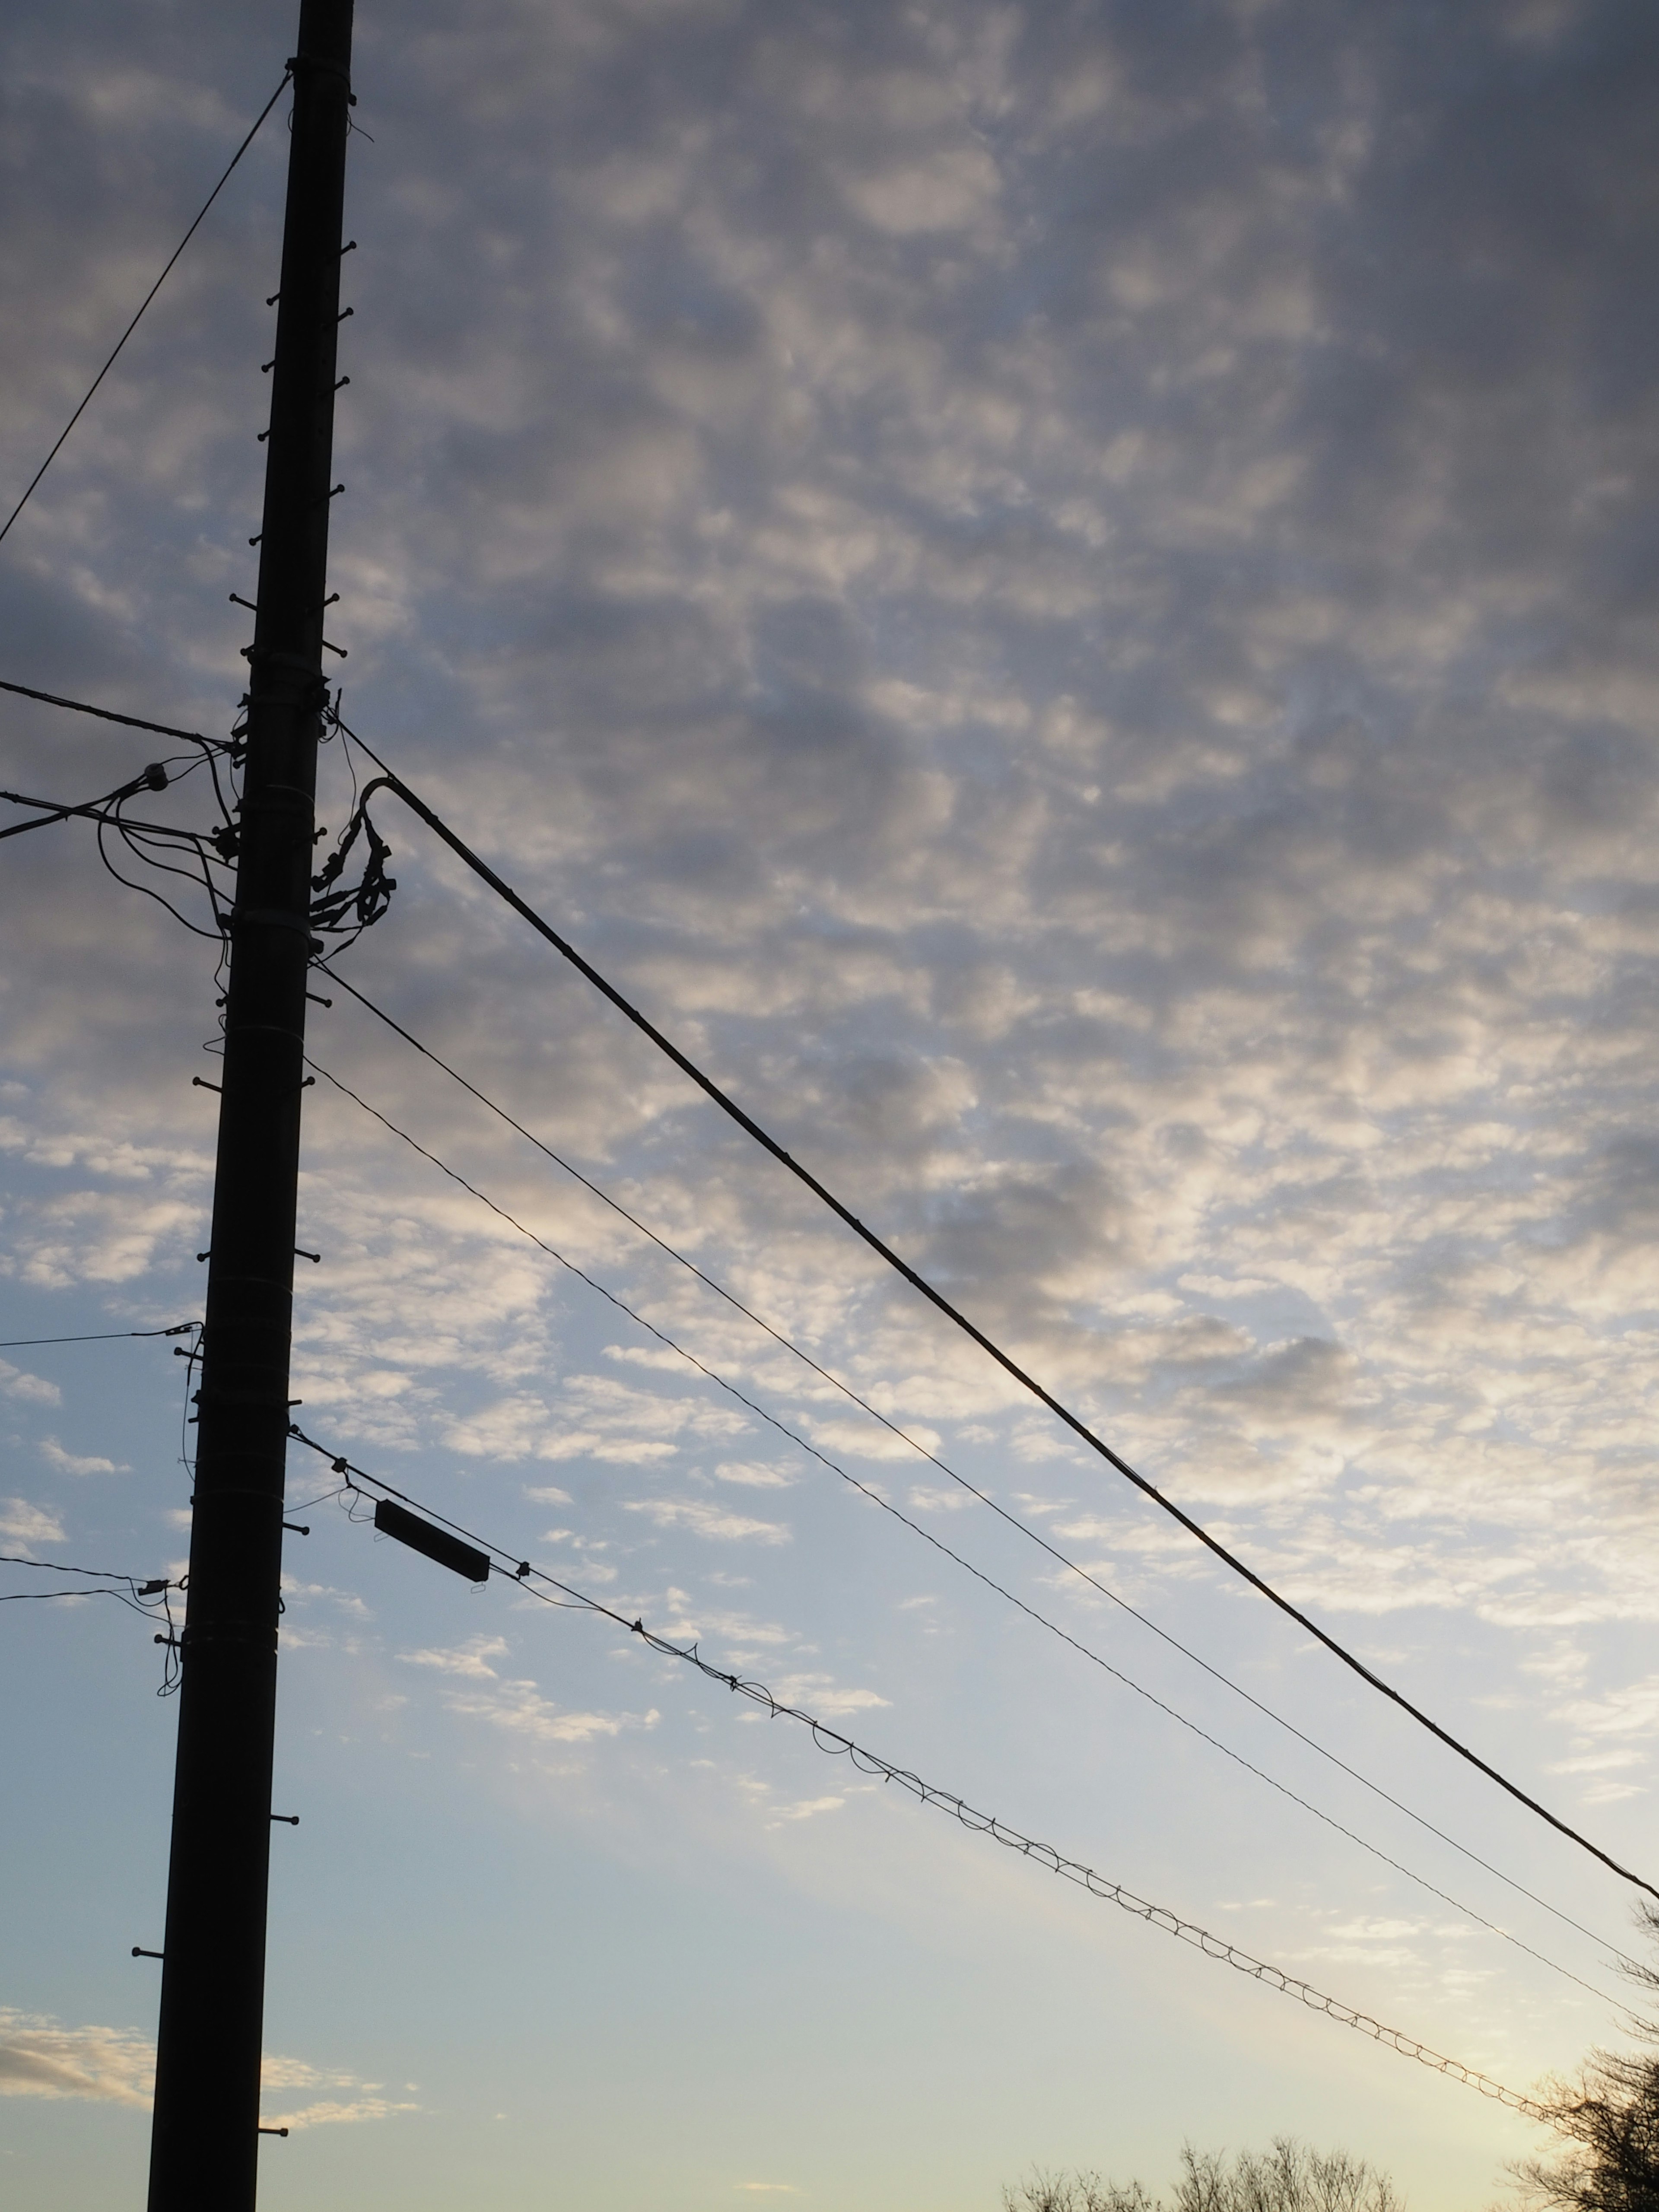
<point x="435" y="1543"/>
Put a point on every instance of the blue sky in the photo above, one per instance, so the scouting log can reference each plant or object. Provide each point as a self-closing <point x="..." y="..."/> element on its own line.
<point x="1065" y="596"/>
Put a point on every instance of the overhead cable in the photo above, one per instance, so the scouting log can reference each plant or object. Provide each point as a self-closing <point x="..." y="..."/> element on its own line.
<point x="104" y="714"/>
<point x="151" y="1599"/>
<point x="341" y="911"/>
<point x="1013" y="1520"/>
<point x="916" y="1527"/>
<point x="154" y="778"/>
<point x="987" y="1344"/>
<point x="833" y="1742"/>
<point x="144" y="303"/>
<point x="103" y="1336"/>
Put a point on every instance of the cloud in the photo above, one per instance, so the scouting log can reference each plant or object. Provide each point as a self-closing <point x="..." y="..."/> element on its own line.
<point x="1630" y="1710"/>
<point x="34" y="1390"/>
<point x="520" y="1709"/>
<point x="687" y="1621"/>
<point x="23" y="1523"/>
<point x="40" y="2057"/>
<point x="936" y="1498"/>
<point x="821" y="1694"/>
<point x="1071" y="609"/>
<point x="711" y="1521"/>
<point x="595" y="1418"/>
<point x="517" y="1706"/>
<point x="807" y="1808"/>
<point x="471" y="1660"/>
<point x="68" y="1463"/>
<point x="748" y="1474"/>
<point x="333" y="2111"/>
<point x="865" y="1440"/>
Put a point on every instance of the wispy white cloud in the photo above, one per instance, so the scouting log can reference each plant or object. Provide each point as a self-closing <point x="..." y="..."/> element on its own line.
<point x="750" y="1474"/>
<point x="1073" y="611"/>
<point x="517" y="1706"/>
<point x="703" y="1518"/>
<point x="41" y="2057"/>
<point x="33" y="1389"/>
<point x="21" y="1523"/>
<point x="66" y="1462"/>
<point x="471" y="1660"/>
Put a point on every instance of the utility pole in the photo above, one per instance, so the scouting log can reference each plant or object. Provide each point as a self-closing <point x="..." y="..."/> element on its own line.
<point x="204" y="2139"/>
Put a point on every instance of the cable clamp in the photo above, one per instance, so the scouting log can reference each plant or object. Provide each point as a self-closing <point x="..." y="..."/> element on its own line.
<point x="298" y="62"/>
<point x="245" y="1633"/>
<point x="265" y="656"/>
<point x="270" y="917"/>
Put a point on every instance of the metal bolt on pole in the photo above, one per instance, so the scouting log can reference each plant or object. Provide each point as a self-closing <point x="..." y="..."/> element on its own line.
<point x="205" y="2138"/>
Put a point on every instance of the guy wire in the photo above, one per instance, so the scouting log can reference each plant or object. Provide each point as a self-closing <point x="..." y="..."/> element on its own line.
<point x="144" y="303"/>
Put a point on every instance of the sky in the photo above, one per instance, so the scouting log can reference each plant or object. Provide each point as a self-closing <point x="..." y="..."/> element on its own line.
<point x="1065" y="596"/>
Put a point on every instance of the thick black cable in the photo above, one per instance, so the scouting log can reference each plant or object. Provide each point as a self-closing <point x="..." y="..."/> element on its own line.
<point x="217" y="936"/>
<point x="146" y="840"/>
<point x="105" y="1336"/>
<point x="1013" y="1520"/>
<point x="54" y="1567"/>
<point x="832" y="1740"/>
<point x="144" y="303"/>
<point x="917" y="1528"/>
<point x="953" y="1313"/>
<point x="128" y="721"/>
<point x="57" y="810"/>
<point x="343" y="913"/>
<point x="149" y="1600"/>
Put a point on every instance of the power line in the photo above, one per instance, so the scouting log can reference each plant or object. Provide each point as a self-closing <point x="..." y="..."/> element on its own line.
<point x="344" y="912"/>
<point x="151" y="1600"/>
<point x="832" y="1742"/>
<point x="1013" y="1520"/>
<point x="147" y="839"/>
<point x="916" y="1529"/>
<point x="154" y="778"/>
<point x="103" y="714"/>
<point x="987" y="1344"/>
<point x="106" y="1336"/>
<point x="144" y="303"/>
<point x="393" y="782"/>
<point x="153" y="1588"/>
<point x="729" y="1106"/>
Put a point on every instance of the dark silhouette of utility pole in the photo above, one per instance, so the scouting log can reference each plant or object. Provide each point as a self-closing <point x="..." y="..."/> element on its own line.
<point x="204" y="2141"/>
